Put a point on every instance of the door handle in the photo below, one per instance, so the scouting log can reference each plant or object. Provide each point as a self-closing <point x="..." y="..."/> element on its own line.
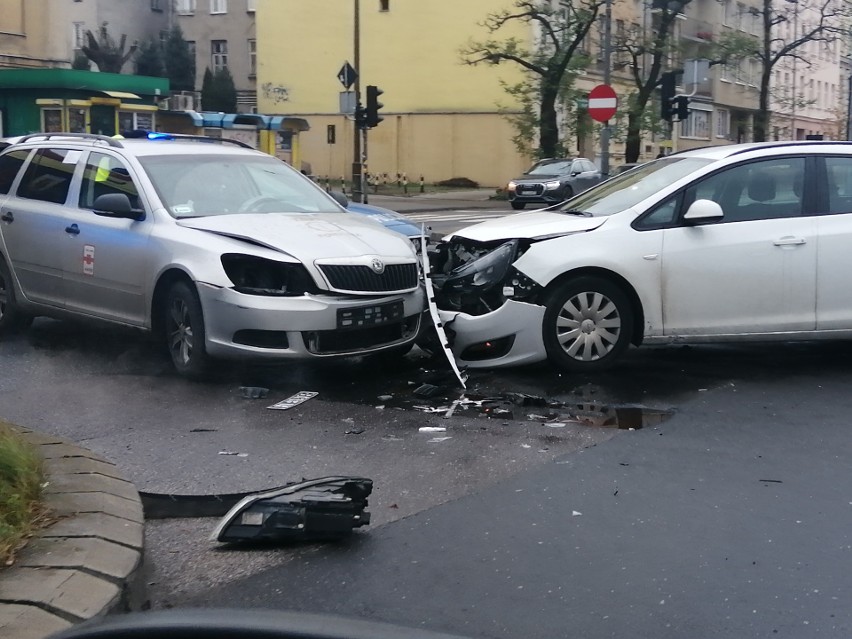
<point x="8" y="216"/>
<point x="789" y="241"/>
<point x="73" y="229"/>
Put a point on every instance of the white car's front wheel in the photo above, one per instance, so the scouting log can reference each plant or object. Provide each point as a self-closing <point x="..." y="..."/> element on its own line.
<point x="587" y="325"/>
<point x="11" y="316"/>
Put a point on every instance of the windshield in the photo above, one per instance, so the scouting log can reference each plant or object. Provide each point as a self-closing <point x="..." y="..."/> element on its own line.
<point x="627" y="190"/>
<point x="551" y="168"/>
<point x="224" y="185"/>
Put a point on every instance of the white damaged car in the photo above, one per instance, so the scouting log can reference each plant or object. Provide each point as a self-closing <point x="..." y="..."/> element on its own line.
<point x="740" y="242"/>
<point x="219" y="250"/>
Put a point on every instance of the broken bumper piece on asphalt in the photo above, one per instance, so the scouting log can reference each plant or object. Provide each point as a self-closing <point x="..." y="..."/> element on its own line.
<point x="315" y="510"/>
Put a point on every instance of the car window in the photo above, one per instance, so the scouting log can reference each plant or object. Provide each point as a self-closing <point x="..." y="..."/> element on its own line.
<point x="551" y="168"/>
<point x="839" y="194"/>
<point x="105" y="175"/>
<point x="10" y="164"/>
<point x="629" y="189"/>
<point x="661" y="216"/>
<point x="224" y="185"/>
<point x="761" y="190"/>
<point x="48" y="177"/>
<point x="588" y="166"/>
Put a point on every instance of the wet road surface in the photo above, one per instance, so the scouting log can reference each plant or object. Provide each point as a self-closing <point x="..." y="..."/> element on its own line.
<point x="115" y="393"/>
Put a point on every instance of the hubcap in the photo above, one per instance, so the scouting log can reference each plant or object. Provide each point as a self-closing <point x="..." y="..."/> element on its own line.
<point x="588" y="326"/>
<point x="180" y="332"/>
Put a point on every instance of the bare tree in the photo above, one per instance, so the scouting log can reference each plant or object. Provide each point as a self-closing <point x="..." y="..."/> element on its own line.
<point x="548" y="63"/>
<point x="646" y="54"/>
<point x="808" y="20"/>
<point x="104" y="52"/>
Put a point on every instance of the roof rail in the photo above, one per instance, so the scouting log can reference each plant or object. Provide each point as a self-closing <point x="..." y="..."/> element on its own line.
<point x="197" y="138"/>
<point x="792" y="143"/>
<point x="84" y="136"/>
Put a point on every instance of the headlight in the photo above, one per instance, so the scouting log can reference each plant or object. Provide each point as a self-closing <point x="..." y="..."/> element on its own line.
<point x="511" y="186"/>
<point x="553" y="185"/>
<point x="258" y="276"/>
<point x="484" y="272"/>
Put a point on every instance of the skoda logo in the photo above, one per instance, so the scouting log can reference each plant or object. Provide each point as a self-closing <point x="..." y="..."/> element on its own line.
<point x="378" y="266"/>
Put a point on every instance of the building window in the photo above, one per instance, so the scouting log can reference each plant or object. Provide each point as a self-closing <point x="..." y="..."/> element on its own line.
<point x="51" y="120"/>
<point x="219" y="54"/>
<point x="218" y="6"/>
<point x="251" y="6"/>
<point x="384" y="5"/>
<point x="190" y="45"/>
<point x="77" y="120"/>
<point x="252" y="49"/>
<point x="156" y="5"/>
<point x="723" y="123"/>
<point x="185" y="7"/>
<point x="726" y="12"/>
<point x="78" y="35"/>
<point x="697" y="125"/>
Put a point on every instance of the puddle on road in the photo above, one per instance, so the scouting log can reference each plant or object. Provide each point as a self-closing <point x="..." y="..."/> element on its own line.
<point x="531" y="408"/>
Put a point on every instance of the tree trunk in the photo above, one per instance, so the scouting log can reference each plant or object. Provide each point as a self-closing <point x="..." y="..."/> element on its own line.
<point x="633" y="146"/>
<point x="761" y="116"/>
<point x="548" y="128"/>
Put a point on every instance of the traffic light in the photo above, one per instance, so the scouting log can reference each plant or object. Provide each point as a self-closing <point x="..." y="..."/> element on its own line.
<point x="668" y="87"/>
<point x="372" y="117"/>
<point x="680" y="107"/>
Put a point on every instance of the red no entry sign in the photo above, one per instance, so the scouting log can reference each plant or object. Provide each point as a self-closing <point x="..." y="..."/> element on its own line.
<point x="602" y="103"/>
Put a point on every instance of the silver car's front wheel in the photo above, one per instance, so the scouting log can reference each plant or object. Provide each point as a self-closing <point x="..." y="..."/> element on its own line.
<point x="184" y="328"/>
<point x="587" y="325"/>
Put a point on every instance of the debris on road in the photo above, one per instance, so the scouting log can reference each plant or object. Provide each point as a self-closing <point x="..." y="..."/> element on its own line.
<point x="253" y="392"/>
<point x="438" y="440"/>
<point x="233" y="453"/>
<point x="203" y="430"/>
<point x="294" y="400"/>
<point x="316" y="510"/>
<point x="427" y="390"/>
<point x="432" y="429"/>
<point x="355" y="431"/>
<point x="384" y="398"/>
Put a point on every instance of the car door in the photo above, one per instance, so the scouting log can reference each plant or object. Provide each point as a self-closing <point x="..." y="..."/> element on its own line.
<point x="107" y="261"/>
<point x="753" y="271"/>
<point x="34" y="224"/>
<point x="834" y="261"/>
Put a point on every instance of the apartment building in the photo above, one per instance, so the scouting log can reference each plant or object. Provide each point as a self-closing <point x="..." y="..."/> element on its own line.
<point x="222" y="34"/>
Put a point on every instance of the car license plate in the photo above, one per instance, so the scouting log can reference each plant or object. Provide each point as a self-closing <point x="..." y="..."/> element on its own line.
<point x="366" y="316"/>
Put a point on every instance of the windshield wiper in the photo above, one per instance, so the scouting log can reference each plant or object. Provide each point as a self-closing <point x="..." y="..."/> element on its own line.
<point x="576" y="212"/>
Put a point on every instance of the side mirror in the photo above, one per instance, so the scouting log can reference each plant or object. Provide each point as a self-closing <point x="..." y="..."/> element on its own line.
<point x="341" y="199"/>
<point x="702" y="211"/>
<point x="116" y="205"/>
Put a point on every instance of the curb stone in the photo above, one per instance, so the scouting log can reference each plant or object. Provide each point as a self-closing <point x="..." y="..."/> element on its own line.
<point x="87" y="564"/>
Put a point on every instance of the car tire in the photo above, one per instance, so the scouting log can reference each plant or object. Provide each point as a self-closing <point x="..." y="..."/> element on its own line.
<point x="184" y="331"/>
<point x="11" y="317"/>
<point x="518" y="205"/>
<point x="588" y="324"/>
<point x="567" y="193"/>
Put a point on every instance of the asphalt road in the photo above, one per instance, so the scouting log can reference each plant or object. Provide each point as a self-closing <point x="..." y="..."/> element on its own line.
<point x="732" y="519"/>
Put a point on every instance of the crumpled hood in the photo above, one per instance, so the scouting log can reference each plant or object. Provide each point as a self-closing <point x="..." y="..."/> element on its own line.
<point x="308" y="236"/>
<point x="529" y="225"/>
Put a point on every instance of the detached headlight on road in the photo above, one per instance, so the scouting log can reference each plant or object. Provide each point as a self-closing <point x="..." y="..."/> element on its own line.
<point x="313" y="510"/>
<point x="258" y="276"/>
<point x="483" y="273"/>
<point x="552" y="185"/>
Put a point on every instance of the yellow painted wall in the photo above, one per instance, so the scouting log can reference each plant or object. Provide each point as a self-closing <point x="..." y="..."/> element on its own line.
<point x="436" y="146"/>
<point x="440" y="115"/>
<point x="23" y="34"/>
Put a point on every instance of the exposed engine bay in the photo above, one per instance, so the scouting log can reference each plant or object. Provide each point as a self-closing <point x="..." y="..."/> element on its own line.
<point x="478" y="277"/>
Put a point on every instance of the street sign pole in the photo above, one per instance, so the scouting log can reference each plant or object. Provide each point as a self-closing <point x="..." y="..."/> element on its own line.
<point x="357" y="170"/>
<point x="607" y="76"/>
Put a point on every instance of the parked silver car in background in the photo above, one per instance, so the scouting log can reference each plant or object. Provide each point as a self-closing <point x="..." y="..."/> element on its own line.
<point x="220" y="250"/>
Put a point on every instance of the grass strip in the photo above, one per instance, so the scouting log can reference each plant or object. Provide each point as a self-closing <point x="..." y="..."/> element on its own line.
<point x="21" y="483"/>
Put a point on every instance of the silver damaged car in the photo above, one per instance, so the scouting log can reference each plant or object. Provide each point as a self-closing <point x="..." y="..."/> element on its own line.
<point x="218" y="250"/>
